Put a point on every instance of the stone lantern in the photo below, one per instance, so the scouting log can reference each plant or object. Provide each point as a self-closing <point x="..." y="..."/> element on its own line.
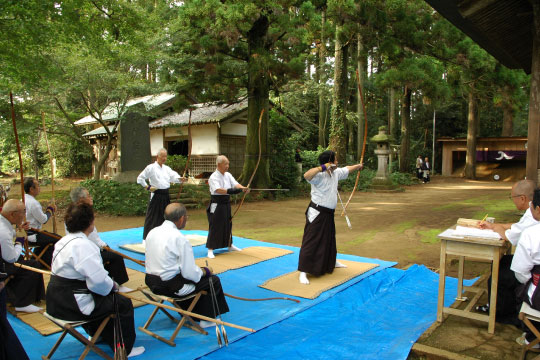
<point x="381" y="180"/>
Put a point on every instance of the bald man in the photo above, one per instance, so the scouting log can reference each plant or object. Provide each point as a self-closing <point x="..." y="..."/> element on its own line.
<point x="507" y="303"/>
<point x="171" y="269"/>
<point x="222" y="185"/>
<point x="160" y="177"/>
<point x="10" y="346"/>
<point x="26" y="287"/>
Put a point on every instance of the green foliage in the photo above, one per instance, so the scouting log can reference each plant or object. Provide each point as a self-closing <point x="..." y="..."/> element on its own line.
<point x="114" y="198"/>
<point x="283" y="170"/>
<point x="177" y="163"/>
<point x="401" y="178"/>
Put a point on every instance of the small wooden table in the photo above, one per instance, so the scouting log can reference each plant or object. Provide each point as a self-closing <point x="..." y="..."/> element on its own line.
<point x="472" y="247"/>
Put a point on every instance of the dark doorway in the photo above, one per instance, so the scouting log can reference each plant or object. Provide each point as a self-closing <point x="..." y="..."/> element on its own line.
<point x="179" y="147"/>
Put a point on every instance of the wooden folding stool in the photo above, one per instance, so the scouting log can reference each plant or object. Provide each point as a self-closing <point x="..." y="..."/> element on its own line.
<point x="526" y="314"/>
<point x="69" y="327"/>
<point x="185" y="320"/>
<point x="32" y="254"/>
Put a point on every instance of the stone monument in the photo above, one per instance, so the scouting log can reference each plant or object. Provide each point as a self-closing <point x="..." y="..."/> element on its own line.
<point x="133" y="146"/>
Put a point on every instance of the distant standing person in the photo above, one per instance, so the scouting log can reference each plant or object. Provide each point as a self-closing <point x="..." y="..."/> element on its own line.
<point x="419" y="164"/>
<point x="298" y="160"/>
<point x="426" y="170"/>
<point x="160" y="177"/>
<point x="37" y="218"/>
<point x="318" y="252"/>
<point x="222" y="185"/>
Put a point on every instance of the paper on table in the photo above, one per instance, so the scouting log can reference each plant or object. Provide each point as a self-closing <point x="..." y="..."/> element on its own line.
<point x="473" y="232"/>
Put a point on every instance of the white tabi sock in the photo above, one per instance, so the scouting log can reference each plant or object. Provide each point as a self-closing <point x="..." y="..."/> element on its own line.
<point x="303" y="278"/>
<point x="234" y="248"/>
<point x="136" y="351"/>
<point x="340" y="265"/>
<point x="28" y="309"/>
<point x="206" y="324"/>
<point x="211" y="254"/>
<point x="124" y="289"/>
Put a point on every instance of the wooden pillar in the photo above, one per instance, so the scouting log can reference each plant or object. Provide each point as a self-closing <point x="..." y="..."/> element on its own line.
<point x="533" y="158"/>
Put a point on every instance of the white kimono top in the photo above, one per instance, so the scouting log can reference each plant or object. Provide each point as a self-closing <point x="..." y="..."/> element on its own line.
<point x="10" y="251"/>
<point x="169" y="253"/>
<point x="76" y="257"/>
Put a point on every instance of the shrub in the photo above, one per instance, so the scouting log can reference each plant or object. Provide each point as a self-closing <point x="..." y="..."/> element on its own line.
<point x="401" y="178"/>
<point x="114" y="198"/>
<point x="177" y="163"/>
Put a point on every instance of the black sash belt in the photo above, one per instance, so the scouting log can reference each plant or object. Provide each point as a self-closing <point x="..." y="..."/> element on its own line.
<point x="220" y="199"/>
<point x="322" y="208"/>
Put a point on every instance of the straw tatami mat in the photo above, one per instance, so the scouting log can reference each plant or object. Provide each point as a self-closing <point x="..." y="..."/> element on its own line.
<point x="46" y="327"/>
<point x="290" y="285"/>
<point x="194" y="240"/>
<point x="237" y="259"/>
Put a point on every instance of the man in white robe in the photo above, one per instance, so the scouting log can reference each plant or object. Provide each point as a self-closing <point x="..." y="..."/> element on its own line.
<point x="222" y="185"/>
<point x="159" y="177"/>
<point x="171" y="269"/>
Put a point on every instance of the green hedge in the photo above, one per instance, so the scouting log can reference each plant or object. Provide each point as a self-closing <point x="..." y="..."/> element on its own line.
<point x="114" y="198"/>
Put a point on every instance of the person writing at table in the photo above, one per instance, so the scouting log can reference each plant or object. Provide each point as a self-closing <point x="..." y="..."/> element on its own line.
<point x="507" y="304"/>
<point x="526" y="265"/>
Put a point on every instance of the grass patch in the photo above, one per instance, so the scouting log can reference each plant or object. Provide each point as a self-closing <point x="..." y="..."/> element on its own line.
<point x="429" y="236"/>
<point x="499" y="208"/>
<point x="406" y="225"/>
<point x="367" y="235"/>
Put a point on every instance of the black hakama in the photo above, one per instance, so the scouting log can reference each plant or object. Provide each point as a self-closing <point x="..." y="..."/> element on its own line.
<point x="318" y="252"/>
<point x="10" y="346"/>
<point x="115" y="266"/>
<point x="155" y="210"/>
<point x="508" y="304"/>
<point x="219" y="223"/>
<point x="26" y="287"/>
<point x="61" y="304"/>
<point x="203" y="306"/>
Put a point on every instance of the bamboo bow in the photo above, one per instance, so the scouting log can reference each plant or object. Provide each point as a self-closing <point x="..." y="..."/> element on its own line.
<point x="20" y="166"/>
<point x="52" y="169"/>
<point x="188" y="157"/>
<point x="363" y="145"/>
<point x="256" y="167"/>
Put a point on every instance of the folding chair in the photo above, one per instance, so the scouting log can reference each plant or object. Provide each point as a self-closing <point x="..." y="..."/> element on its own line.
<point x="32" y="254"/>
<point x="186" y="320"/>
<point x="526" y="314"/>
<point x="69" y="327"/>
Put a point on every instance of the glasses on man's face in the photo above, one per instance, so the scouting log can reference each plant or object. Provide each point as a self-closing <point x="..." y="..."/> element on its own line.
<point x="514" y="196"/>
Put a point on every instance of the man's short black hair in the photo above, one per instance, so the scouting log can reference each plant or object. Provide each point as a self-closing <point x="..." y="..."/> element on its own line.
<point x="536" y="198"/>
<point x="28" y="184"/>
<point x="327" y="156"/>
<point x="78" y="217"/>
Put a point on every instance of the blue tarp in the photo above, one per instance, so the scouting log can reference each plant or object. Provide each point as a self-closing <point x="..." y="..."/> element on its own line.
<point x="378" y="315"/>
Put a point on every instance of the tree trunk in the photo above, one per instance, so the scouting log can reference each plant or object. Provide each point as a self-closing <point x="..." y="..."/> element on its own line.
<point x="321" y="79"/>
<point x="361" y="65"/>
<point x="258" y="99"/>
<point x="405" y="134"/>
<point x="392" y="120"/>
<point x="533" y="157"/>
<point x="472" y="131"/>
<point x="338" y="133"/>
<point x="508" y="120"/>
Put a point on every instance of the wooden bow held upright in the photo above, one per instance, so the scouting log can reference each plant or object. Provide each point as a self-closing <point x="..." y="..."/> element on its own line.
<point x="188" y="157"/>
<point x="363" y="145"/>
<point x="256" y="167"/>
